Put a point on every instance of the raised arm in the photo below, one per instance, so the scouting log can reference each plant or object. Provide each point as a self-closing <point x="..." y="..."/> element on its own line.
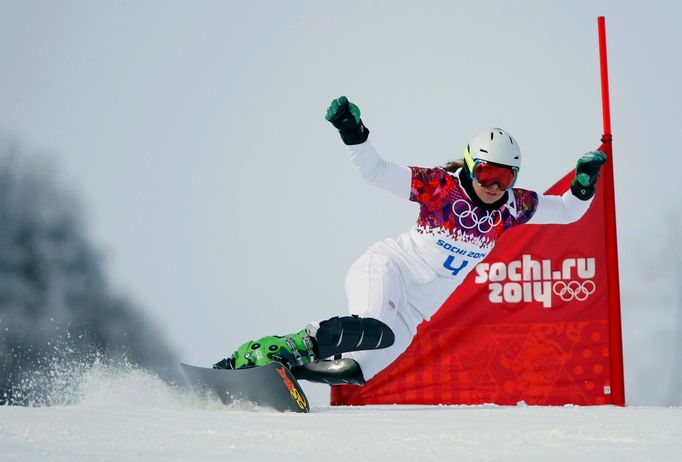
<point x="345" y="116"/>
<point x="574" y="203"/>
<point x="559" y="209"/>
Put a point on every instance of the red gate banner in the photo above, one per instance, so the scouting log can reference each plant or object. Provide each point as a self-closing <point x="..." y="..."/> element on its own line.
<point x="537" y="322"/>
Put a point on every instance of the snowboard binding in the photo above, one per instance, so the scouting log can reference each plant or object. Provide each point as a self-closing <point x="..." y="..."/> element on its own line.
<point x="344" y="371"/>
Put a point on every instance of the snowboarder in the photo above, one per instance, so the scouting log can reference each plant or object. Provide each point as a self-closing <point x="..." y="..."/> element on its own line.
<point x="398" y="283"/>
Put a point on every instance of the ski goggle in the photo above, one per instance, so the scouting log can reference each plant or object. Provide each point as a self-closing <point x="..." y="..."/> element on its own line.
<point x="488" y="173"/>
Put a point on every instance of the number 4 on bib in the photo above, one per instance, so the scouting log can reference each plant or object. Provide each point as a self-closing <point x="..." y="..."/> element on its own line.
<point x="449" y="265"/>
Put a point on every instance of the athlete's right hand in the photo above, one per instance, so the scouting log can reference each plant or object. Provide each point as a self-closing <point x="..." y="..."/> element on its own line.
<point x="345" y="116"/>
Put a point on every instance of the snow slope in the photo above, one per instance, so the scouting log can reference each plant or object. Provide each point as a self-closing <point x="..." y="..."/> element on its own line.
<point x="132" y="415"/>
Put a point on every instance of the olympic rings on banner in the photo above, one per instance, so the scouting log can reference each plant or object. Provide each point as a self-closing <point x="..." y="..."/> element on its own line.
<point x="574" y="290"/>
<point x="469" y="217"/>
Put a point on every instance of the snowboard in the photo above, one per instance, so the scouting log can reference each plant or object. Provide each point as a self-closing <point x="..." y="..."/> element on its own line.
<point x="270" y="385"/>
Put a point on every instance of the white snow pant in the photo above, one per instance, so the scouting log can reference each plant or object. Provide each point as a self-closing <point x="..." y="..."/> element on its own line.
<point x="388" y="283"/>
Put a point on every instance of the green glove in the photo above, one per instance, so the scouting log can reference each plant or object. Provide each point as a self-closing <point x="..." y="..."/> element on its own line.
<point x="586" y="174"/>
<point x="345" y="116"/>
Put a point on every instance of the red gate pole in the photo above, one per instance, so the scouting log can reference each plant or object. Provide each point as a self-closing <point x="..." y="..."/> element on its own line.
<point x="615" y="334"/>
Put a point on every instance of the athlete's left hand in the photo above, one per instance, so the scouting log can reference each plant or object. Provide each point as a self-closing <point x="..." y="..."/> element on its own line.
<point x="586" y="174"/>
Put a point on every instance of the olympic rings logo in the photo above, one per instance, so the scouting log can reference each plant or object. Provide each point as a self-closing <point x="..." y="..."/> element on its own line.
<point x="568" y="291"/>
<point x="469" y="218"/>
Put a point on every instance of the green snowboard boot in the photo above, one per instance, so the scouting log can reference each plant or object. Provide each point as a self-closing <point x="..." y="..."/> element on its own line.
<point x="291" y="350"/>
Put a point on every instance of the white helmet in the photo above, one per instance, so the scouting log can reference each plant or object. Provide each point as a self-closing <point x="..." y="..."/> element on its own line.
<point x="494" y="145"/>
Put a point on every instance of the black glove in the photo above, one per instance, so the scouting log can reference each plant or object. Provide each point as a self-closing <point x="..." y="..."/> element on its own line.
<point x="586" y="174"/>
<point x="345" y="116"/>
